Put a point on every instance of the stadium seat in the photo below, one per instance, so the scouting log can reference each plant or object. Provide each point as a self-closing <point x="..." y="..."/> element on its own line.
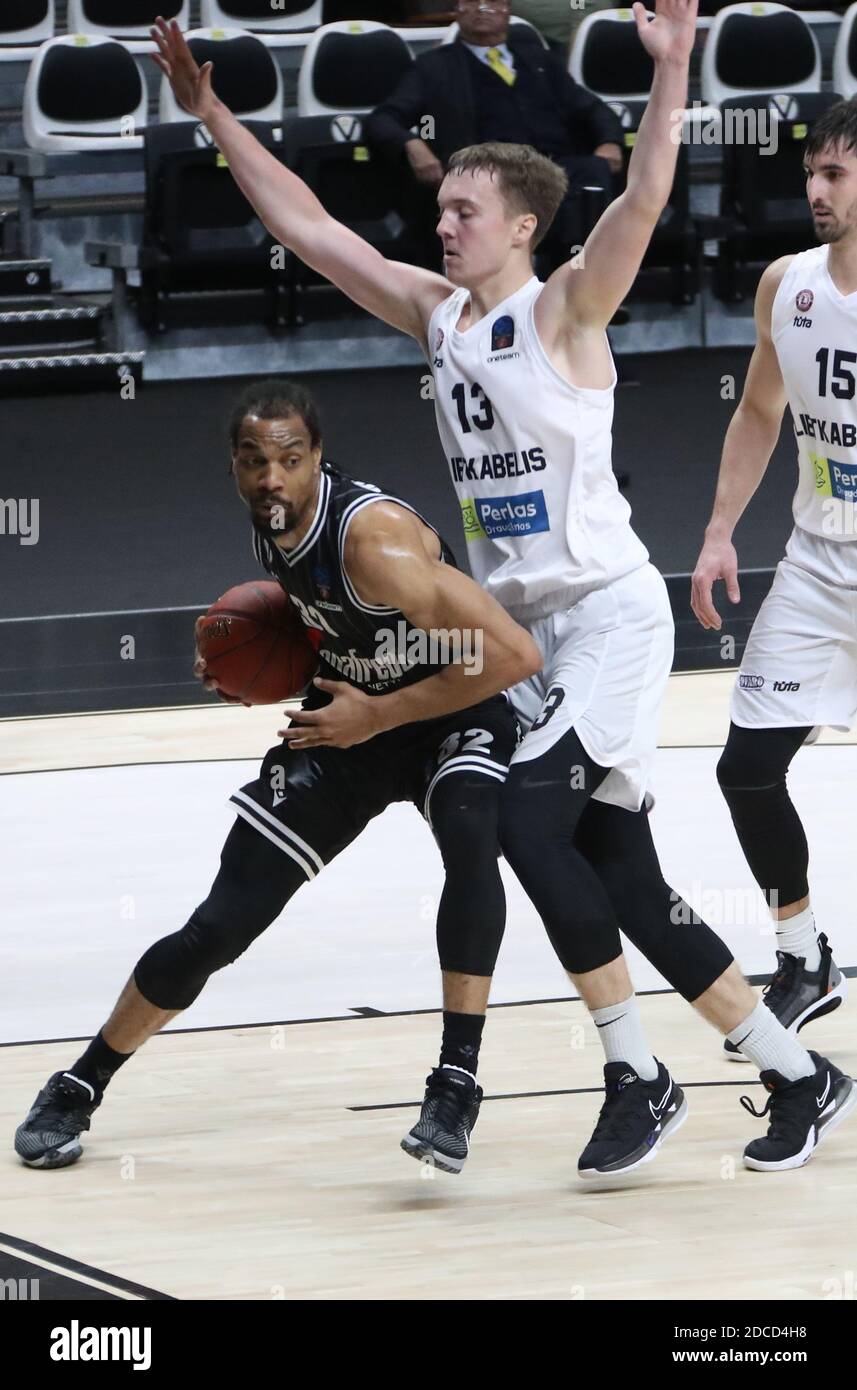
<point x="759" y="48"/>
<point x="200" y="233"/>
<point x="262" y="16"/>
<point x="350" y="66"/>
<point x="354" y="187"/>
<point x="845" y="55"/>
<point x="24" y="24"/>
<point x="84" y="93"/>
<point x="762" y="69"/>
<point x="609" y="60"/>
<point x="128" y="20"/>
<point x="245" y="76"/>
<point x="763" y="194"/>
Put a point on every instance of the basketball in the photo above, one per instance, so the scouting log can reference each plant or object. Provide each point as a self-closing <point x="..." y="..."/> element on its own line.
<point x="255" y="645"/>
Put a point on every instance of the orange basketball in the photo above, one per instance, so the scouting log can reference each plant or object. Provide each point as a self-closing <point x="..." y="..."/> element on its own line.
<point x="255" y="645"/>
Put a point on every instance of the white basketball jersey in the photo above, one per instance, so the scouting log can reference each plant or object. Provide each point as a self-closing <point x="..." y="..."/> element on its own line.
<point x="814" y="331"/>
<point x="529" y="455"/>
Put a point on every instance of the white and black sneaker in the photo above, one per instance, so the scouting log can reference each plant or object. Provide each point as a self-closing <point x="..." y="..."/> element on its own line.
<point x="441" y="1136"/>
<point x="636" y="1117"/>
<point x="802" y="1113"/>
<point x="48" y="1138"/>
<point x="796" y="995"/>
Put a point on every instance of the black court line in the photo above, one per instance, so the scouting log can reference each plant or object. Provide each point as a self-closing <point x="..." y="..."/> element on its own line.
<point x="193" y="762"/>
<point x="111" y="767"/>
<point x="38" y="1252"/>
<point x="528" y="1095"/>
<point x="364" y="1011"/>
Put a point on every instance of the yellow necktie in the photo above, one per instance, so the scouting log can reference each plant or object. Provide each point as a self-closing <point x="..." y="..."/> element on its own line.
<point x="496" y="62"/>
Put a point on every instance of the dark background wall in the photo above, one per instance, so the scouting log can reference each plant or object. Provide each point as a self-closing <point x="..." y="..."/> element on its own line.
<point x="137" y="509"/>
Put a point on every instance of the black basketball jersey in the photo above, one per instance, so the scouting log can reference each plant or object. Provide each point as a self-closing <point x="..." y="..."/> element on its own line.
<point x="368" y="645"/>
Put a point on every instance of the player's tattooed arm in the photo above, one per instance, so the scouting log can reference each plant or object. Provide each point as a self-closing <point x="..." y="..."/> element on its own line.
<point x="586" y="292"/>
<point x="750" y="440"/>
<point x="400" y="294"/>
<point x="392" y="559"/>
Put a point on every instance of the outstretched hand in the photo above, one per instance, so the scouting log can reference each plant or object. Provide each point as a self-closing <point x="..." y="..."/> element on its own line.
<point x="190" y="83"/>
<point x="670" y="35"/>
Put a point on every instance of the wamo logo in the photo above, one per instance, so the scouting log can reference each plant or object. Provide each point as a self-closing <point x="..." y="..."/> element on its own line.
<point x="485" y="518"/>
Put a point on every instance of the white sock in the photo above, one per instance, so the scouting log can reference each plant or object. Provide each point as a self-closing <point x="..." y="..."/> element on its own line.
<point x="797" y="937"/>
<point x="622" y="1037"/>
<point x="763" y="1039"/>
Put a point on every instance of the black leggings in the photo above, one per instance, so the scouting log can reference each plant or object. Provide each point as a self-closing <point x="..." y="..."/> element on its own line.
<point x="256" y="880"/>
<point x="591" y="869"/>
<point x="752" y="776"/>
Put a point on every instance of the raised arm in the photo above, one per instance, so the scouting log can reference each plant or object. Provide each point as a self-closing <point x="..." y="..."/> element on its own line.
<point x="750" y="440"/>
<point x="586" y="291"/>
<point x="402" y="295"/>
<point x="389" y="564"/>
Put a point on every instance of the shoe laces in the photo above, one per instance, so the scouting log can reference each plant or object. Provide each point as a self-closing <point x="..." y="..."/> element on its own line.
<point x="620" y="1110"/>
<point x="783" y="980"/>
<point x="65" y="1106"/>
<point x="450" y="1101"/>
<point x="786" y="1107"/>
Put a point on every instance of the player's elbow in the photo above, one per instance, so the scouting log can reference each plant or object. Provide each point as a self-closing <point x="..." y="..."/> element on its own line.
<point x="525" y="659"/>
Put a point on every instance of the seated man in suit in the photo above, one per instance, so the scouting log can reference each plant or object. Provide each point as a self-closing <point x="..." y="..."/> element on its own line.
<point x="497" y="83"/>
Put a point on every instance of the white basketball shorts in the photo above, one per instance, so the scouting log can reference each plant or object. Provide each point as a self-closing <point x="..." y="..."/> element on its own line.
<point x="800" y="662"/>
<point x="606" y="665"/>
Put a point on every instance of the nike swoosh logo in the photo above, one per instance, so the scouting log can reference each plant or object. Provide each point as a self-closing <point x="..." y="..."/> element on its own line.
<point x="657" y="1111"/>
<point x="823" y="1097"/>
<point x="612" y="1020"/>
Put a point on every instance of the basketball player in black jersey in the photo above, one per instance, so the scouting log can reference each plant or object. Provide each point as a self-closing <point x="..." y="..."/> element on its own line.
<point x="358" y="565"/>
<point x="589" y="866"/>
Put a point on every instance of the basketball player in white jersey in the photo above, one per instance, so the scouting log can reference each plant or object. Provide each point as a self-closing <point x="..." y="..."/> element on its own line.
<point x="800" y="665"/>
<point x="524" y="397"/>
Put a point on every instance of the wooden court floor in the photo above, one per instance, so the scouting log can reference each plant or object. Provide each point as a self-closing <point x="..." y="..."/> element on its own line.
<point x="263" y="1162"/>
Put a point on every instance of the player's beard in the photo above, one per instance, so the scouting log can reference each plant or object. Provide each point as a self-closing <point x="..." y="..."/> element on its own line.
<point x="282" y="521"/>
<point x="828" y="231"/>
<point x="834" y="228"/>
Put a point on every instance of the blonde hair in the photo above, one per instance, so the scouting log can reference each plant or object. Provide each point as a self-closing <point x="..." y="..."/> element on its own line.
<point x="528" y="181"/>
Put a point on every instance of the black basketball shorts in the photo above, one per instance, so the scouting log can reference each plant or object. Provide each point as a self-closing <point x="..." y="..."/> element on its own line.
<point x="312" y="802"/>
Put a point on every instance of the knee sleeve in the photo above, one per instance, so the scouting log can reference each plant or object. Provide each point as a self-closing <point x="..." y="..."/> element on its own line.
<point x="472" y="913"/>
<point x="752" y="776"/>
<point x="619" y="845"/>
<point x="253" y="885"/>
<point x="540" y="807"/>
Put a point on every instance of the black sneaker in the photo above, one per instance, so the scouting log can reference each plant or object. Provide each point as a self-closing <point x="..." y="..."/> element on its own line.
<point x="796" y="995"/>
<point x="441" y="1136"/>
<point x="48" y="1138"/>
<point x="635" y="1119"/>
<point x="802" y="1113"/>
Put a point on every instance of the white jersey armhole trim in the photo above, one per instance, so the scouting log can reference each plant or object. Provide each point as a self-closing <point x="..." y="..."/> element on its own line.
<point x="347" y="517"/>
